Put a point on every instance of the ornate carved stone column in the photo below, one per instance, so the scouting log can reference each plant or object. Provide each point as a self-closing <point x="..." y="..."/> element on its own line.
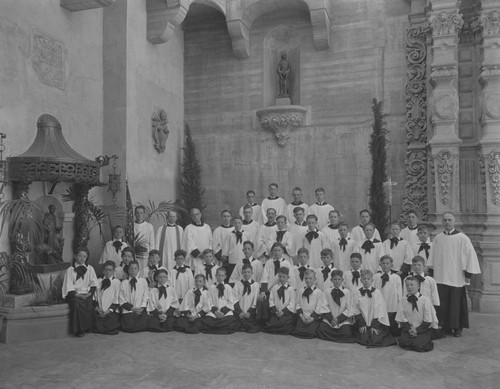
<point x="489" y="23"/>
<point x="415" y="198"/>
<point x="445" y="23"/>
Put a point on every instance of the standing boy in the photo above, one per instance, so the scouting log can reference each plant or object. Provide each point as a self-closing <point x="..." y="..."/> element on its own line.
<point x="321" y="208"/>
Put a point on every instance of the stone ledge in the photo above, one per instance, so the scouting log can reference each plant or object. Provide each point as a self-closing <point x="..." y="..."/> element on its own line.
<point x="83" y="5"/>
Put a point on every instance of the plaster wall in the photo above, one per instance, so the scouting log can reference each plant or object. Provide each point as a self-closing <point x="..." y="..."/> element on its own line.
<point x="154" y="80"/>
<point x="76" y="101"/>
<point x="222" y="93"/>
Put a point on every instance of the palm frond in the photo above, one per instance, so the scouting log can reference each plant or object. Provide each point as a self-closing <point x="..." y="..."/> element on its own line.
<point x="160" y="212"/>
<point x="22" y="216"/>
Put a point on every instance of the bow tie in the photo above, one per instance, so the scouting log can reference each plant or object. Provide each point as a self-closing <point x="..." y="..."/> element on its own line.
<point x="343" y="243"/>
<point x="269" y="224"/>
<point x="246" y="261"/>
<point x="355" y="277"/>
<point x="133" y="282"/>
<point x="419" y="277"/>
<point x="153" y="267"/>
<point x="413" y="300"/>
<point x="197" y="224"/>
<point x="117" y="245"/>
<point x="412" y="228"/>
<point x="197" y="295"/>
<point x="367" y="292"/>
<point x="424" y="247"/>
<point x="246" y="287"/>
<point x="238" y="234"/>
<point x="323" y="203"/>
<point x="281" y="293"/>
<point x="326" y="270"/>
<point x="454" y="232"/>
<point x="301" y="224"/>
<point x="337" y="294"/>
<point x="105" y="284"/>
<point x="307" y="293"/>
<point x="220" y="288"/>
<point x="163" y="292"/>
<point x="80" y="272"/>
<point x="302" y="271"/>
<point x="246" y="222"/>
<point x="223" y="226"/>
<point x="394" y="242"/>
<point x="279" y="236"/>
<point x="297" y="202"/>
<point x="125" y="267"/>
<point x="277" y="265"/>
<point x="273" y="198"/>
<point x="333" y="227"/>
<point x="311" y="235"/>
<point x="385" y="279"/>
<point x="208" y="270"/>
<point x="368" y="246"/>
<point x="179" y="270"/>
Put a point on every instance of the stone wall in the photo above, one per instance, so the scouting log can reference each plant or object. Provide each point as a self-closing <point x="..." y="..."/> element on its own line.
<point x="222" y="93"/>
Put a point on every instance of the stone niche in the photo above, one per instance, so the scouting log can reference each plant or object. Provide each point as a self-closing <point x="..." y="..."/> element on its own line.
<point x="281" y="40"/>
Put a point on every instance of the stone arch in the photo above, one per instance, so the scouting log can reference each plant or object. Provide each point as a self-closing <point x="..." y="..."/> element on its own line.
<point x="241" y="14"/>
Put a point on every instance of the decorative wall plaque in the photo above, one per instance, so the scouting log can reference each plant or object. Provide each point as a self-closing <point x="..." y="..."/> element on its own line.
<point x="48" y="60"/>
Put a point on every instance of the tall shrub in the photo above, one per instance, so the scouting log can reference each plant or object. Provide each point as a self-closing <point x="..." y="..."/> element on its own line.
<point x="379" y="202"/>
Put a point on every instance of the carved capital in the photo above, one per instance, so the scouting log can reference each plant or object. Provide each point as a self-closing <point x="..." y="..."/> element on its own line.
<point x="445" y="23"/>
<point x="281" y="120"/>
<point x="489" y="21"/>
<point x="162" y="19"/>
<point x="83" y="5"/>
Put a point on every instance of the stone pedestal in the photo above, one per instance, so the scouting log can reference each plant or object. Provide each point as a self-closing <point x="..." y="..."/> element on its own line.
<point x="281" y="120"/>
<point x="280" y="101"/>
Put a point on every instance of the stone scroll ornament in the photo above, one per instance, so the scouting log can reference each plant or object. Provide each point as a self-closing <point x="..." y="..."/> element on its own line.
<point x="415" y="198"/>
<point x="159" y="130"/>
<point x="281" y="123"/>
<point x="445" y="173"/>
<point x="494" y="173"/>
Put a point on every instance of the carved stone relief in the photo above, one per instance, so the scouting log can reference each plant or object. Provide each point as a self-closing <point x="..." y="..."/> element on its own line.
<point x="48" y="60"/>
<point x="494" y="175"/>
<point x="415" y="198"/>
<point x="159" y="129"/>
<point x="445" y="174"/>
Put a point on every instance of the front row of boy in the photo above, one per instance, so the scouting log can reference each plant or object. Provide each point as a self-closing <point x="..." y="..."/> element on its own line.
<point x="336" y="313"/>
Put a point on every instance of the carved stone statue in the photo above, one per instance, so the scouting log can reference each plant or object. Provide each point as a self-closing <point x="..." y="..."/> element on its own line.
<point x="159" y="130"/>
<point x="283" y="71"/>
<point x="51" y="228"/>
<point x="51" y="249"/>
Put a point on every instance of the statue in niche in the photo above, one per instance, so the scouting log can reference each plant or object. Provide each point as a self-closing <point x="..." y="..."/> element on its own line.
<point x="51" y="249"/>
<point x="159" y="129"/>
<point x="283" y="71"/>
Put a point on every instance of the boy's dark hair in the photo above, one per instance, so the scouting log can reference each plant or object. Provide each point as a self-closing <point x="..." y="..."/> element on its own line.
<point x="226" y="211"/>
<point x="250" y="192"/>
<point x="277" y="244"/>
<point x="248" y="242"/>
<point x="221" y="269"/>
<point x="205" y="252"/>
<point x="357" y="255"/>
<point x="418" y="258"/>
<point x="298" y="209"/>
<point x="159" y="271"/>
<point x="422" y="227"/>
<point x="200" y="276"/>
<point x="412" y="278"/>
<point x="128" y="250"/>
<point x="140" y="207"/>
<point x="284" y="270"/>
<point x="134" y="262"/>
<point x="365" y="211"/>
<point x="303" y="250"/>
<point x="283" y="217"/>
<point x="273" y="184"/>
<point x="109" y="263"/>
<point x="238" y="217"/>
<point x="312" y="217"/>
<point x="247" y="266"/>
<point x="386" y="257"/>
<point x="337" y="273"/>
<point x="343" y="224"/>
<point x="326" y="252"/>
<point x="154" y="252"/>
<point x="180" y="253"/>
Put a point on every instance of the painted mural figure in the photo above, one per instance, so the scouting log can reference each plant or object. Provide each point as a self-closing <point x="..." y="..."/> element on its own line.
<point x="283" y="71"/>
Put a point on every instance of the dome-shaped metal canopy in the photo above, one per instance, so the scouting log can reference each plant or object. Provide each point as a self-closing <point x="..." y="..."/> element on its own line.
<point x="51" y="158"/>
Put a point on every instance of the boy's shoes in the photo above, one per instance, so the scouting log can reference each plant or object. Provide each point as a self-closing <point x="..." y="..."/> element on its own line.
<point x="80" y="334"/>
<point x="458" y="333"/>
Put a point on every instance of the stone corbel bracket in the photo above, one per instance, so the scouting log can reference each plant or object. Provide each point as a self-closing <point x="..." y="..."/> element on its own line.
<point x="83" y="5"/>
<point x="163" y="18"/>
<point x="282" y="120"/>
